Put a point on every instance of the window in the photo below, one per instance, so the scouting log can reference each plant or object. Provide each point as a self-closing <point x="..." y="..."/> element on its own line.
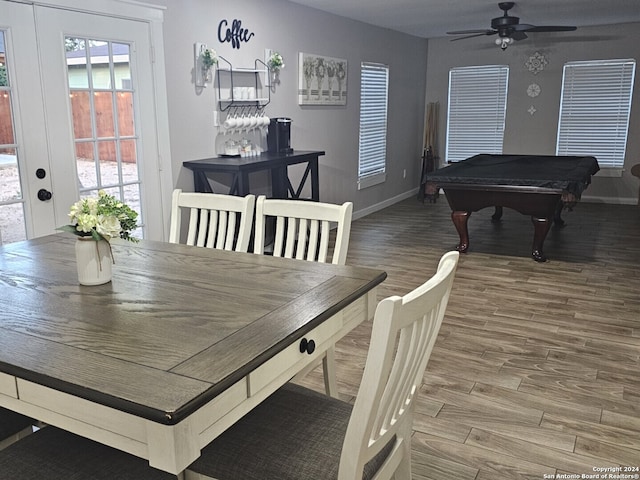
<point x="372" y="148"/>
<point x="594" y="110"/>
<point x="477" y="109"/>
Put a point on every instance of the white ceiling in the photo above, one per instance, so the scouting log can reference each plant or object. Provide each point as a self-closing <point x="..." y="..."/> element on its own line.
<point x="433" y="18"/>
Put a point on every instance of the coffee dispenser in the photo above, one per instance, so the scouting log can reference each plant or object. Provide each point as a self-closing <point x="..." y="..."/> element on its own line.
<point x="279" y="135"/>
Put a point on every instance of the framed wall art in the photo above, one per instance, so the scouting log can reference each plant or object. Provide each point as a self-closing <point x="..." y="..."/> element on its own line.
<point x="322" y="80"/>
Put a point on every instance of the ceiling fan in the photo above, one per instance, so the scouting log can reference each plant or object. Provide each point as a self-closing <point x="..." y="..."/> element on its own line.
<point x="508" y="28"/>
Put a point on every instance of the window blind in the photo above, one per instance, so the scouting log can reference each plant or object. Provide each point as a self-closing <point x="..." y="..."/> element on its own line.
<point x="594" y="110"/>
<point x="372" y="147"/>
<point x="477" y="109"/>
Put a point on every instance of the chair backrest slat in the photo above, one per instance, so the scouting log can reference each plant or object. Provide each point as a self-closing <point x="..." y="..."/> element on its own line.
<point x="303" y="229"/>
<point x="403" y="335"/>
<point x="215" y="221"/>
<point x="209" y="234"/>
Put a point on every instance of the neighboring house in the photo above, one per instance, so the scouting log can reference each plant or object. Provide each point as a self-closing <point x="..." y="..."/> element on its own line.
<point x="77" y="63"/>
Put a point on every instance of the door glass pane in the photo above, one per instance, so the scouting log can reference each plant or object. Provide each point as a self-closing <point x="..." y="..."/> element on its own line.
<point x="12" y="218"/>
<point x="108" y="167"/>
<point x="87" y="167"/>
<point x="6" y="125"/>
<point x="9" y="176"/>
<point x="81" y="114"/>
<point x="12" y="227"/>
<point x="104" y="119"/>
<point x="103" y="108"/>
<point x="76" y="62"/>
<point x="123" y="72"/>
<point x="128" y="155"/>
<point x="125" y="114"/>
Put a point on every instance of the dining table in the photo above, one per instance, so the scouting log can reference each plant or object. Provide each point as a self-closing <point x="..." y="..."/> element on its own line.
<point x="177" y="347"/>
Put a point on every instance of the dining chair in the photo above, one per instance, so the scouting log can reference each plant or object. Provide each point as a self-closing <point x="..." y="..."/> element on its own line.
<point x="300" y="434"/>
<point x="13" y="427"/>
<point x="303" y="232"/>
<point x="54" y="454"/>
<point x="215" y="220"/>
<point x="302" y="229"/>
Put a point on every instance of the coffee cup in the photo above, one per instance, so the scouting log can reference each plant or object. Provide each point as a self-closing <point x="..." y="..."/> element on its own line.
<point x="230" y="122"/>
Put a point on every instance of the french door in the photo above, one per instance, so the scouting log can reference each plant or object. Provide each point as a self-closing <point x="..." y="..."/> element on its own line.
<point x="77" y="114"/>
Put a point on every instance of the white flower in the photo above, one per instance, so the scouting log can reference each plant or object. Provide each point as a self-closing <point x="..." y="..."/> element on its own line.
<point x="108" y="226"/>
<point x="86" y="222"/>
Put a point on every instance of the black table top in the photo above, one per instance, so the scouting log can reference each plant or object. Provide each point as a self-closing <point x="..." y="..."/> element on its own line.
<point x="258" y="162"/>
<point x="567" y="173"/>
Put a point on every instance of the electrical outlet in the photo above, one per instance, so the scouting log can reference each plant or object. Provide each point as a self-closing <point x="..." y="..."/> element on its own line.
<point x="404" y="173"/>
<point x="216" y="121"/>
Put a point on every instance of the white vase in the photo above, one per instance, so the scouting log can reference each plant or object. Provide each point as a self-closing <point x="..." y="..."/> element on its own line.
<point x="93" y="259"/>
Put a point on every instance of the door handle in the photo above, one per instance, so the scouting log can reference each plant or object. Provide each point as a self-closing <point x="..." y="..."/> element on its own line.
<point x="44" y="195"/>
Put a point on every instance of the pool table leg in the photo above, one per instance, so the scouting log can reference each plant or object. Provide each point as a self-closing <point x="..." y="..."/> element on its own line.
<point x="557" y="219"/>
<point x="497" y="214"/>
<point x="460" y="219"/>
<point x="541" y="227"/>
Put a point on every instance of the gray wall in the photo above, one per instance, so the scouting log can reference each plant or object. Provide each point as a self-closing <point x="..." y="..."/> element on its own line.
<point x="289" y="29"/>
<point x="536" y="134"/>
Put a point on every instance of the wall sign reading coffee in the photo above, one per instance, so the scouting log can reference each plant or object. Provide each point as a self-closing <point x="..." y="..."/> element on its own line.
<point x="235" y="34"/>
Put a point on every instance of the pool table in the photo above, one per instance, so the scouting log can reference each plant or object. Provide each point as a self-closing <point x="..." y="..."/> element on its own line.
<point x="535" y="185"/>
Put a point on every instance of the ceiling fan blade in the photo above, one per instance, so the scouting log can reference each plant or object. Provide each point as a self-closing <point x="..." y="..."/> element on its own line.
<point x="488" y="32"/>
<point x="522" y="27"/>
<point x="483" y="31"/>
<point x="551" y="28"/>
<point x="517" y="36"/>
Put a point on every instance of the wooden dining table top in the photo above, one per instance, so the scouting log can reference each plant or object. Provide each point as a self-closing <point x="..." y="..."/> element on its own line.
<point x="175" y="327"/>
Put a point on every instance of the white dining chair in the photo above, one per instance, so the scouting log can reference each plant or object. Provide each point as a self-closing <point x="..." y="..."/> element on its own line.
<point x="302" y="229"/>
<point x="300" y="434"/>
<point x="215" y="220"/>
<point x="303" y="232"/>
<point x="13" y="427"/>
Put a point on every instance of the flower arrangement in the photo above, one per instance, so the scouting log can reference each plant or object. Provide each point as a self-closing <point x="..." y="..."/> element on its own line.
<point x="102" y="218"/>
<point x="209" y="58"/>
<point x="275" y="62"/>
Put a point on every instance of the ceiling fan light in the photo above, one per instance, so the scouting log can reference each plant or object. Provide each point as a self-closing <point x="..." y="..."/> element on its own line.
<point x="504" y="42"/>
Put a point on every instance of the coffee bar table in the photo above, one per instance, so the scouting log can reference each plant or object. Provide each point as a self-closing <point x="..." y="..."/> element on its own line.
<point x="240" y="169"/>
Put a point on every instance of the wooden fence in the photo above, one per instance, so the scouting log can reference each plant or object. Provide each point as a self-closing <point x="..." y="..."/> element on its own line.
<point x="104" y="121"/>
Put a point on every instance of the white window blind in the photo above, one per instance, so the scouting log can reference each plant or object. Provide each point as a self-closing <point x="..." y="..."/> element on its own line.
<point x="372" y="148"/>
<point x="594" y="110"/>
<point x="477" y="109"/>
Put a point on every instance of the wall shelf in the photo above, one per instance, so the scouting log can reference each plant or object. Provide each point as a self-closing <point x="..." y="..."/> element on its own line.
<point x="242" y="87"/>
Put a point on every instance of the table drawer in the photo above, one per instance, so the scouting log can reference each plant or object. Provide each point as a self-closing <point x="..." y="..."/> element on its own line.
<point x="292" y="359"/>
<point x="8" y="385"/>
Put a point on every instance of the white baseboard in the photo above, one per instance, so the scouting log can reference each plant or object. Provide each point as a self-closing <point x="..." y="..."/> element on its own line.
<point x="413" y="193"/>
<point x="387" y="203"/>
<point x="610" y="200"/>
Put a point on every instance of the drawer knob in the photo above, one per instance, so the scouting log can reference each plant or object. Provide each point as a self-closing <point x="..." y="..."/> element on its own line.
<point x="308" y="346"/>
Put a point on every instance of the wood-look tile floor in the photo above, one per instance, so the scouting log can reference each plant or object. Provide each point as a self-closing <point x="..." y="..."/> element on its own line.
<point x="537" y="367"/>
